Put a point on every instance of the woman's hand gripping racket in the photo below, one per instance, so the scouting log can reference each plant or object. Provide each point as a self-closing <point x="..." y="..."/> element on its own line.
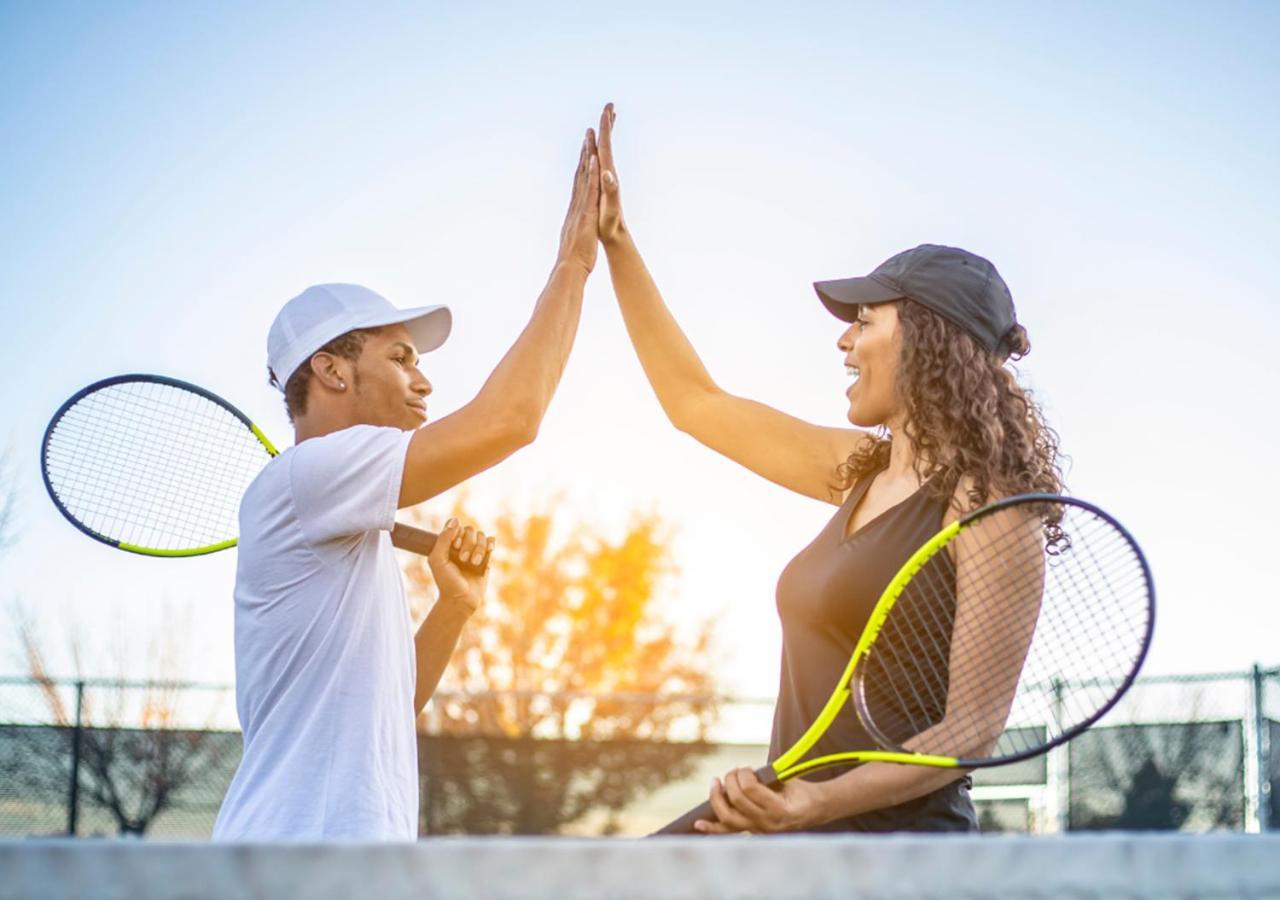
<point x="157" y="466"/>
<point x="1008" y="633"/>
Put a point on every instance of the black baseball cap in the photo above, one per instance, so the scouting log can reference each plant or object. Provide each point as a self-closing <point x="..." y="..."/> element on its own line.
<point x="960" y="286"/>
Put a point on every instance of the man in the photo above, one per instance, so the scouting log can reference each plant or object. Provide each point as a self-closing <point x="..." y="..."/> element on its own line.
<point x="329" y="677"/>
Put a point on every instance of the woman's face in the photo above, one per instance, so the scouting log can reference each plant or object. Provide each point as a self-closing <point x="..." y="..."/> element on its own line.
<point x="872" y="347"/>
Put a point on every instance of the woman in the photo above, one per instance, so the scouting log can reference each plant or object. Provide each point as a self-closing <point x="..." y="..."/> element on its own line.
<point x="929" y="333"/>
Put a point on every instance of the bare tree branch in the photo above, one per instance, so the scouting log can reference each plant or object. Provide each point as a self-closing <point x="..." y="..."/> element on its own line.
<point x="8" y="502"/>
<point x="135" y="759"/>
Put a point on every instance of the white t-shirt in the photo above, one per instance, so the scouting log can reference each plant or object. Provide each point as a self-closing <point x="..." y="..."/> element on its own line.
<point x="325" y="666"/>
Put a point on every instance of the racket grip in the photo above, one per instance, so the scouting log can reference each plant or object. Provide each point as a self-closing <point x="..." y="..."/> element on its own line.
<point x="684" y="824"/>
<point x="415" y="540"/>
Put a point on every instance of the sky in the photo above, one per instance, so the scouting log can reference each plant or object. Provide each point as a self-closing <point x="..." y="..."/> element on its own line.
<point x="170" y="174"/>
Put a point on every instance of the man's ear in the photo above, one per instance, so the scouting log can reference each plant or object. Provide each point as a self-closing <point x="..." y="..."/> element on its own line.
<point x="331" y="371"/>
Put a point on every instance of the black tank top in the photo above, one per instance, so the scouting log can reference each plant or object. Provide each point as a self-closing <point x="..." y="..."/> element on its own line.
<point x="825" y="597"/>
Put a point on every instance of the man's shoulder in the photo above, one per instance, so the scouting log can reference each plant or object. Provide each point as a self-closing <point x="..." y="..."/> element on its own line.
<point x="268" y="485"/>
<point x="346" y="482"/>
<point x="353" y="439"/>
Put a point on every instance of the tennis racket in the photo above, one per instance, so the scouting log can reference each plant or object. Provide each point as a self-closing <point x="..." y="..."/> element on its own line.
<point x="157" y="466"/>
<point x="1008" y="633"/>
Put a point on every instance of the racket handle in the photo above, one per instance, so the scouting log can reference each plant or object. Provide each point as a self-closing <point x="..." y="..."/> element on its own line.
<point x="415" y="540"/>
<point x="684" y="824"/>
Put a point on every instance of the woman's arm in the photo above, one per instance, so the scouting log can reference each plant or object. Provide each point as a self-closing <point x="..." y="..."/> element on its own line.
<point x="790" y="452"/>
<point x="742" y="803"/>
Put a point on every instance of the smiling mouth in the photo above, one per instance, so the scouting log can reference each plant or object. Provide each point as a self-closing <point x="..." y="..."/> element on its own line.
<point x="857" y="375"/>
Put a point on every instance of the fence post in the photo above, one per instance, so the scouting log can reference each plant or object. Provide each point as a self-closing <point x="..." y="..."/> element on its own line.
<point x="1261" y="787"/>
<point x="73" y="800"/>
<point x="1057" y="769"/>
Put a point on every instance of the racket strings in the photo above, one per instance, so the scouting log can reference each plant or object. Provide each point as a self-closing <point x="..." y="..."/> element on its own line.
<point x="905" y="677"/>
<point x="131" y="478"/>
<point x="114" y="456"/>
<point x="153" y="465"/>
<point x="124" y="478"/>
<point x="154" y="460"/>
<point x="1027" y="642"/>
<point x="1082" y="651"/>
<point x="100" y="456"/>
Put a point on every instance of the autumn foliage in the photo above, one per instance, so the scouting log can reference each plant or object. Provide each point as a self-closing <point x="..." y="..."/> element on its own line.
<point x="570" y="660"/>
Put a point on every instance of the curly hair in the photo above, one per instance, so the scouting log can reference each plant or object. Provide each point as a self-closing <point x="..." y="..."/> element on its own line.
<point x="347" y="346"/>
<point x="966" y="416"/>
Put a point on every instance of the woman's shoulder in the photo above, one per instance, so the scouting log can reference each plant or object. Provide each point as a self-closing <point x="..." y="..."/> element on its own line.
<point x="860" y="464"/>
<point x="964" y="499"/>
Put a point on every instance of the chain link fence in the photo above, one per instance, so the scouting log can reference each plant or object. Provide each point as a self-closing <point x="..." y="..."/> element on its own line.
<point x="1179" y="753"/>
<point x="104" y="758"/>
<point x="99" y="757"/>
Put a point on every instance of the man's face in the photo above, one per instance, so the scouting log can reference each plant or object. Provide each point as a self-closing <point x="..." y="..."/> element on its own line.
<point x="389" y="389"/>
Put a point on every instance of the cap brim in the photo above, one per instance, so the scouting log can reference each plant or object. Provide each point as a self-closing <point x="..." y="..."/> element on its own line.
<point x="429" y="326"/>
<point x="843" y="296"/>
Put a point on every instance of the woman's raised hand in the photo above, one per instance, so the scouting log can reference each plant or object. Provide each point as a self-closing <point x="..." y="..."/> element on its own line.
<point x="611" y="224"/>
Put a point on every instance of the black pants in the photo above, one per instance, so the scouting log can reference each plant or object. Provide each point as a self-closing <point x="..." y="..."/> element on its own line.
<point x="949" y="808"/>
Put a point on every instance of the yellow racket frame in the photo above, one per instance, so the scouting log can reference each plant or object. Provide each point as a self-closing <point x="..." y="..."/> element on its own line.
<point x="209" y="548"/>
<point x="788" y="765"/>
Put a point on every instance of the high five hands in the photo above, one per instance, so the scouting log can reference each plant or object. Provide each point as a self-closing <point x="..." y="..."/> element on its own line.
<point x="595" y="206"/>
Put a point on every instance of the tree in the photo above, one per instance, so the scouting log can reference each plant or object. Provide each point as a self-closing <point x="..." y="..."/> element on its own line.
<point x="115" y="745"/>
<point x="1161" y="777"/>
<point x="8" y="503"/>
<point x="568" y="691"/>
<point x="1151" y="802"/>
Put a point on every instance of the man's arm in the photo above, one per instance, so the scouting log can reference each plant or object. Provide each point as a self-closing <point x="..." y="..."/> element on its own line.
<point x="434" y="644"/>
<point x="509" y="409"/>
<point x="461" y="594"/>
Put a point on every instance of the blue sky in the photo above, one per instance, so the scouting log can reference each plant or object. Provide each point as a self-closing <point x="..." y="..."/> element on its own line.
<point x="171" y="173"/>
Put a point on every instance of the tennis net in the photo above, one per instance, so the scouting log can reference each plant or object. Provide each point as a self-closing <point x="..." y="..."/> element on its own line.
<point x="901" y="867"/>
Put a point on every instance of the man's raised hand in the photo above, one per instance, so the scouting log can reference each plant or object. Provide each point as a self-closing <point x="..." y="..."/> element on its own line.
<point x="581" y="233"/>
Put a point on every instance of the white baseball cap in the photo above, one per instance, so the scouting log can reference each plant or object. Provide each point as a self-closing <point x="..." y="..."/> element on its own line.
<point x="325" y="311"/>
